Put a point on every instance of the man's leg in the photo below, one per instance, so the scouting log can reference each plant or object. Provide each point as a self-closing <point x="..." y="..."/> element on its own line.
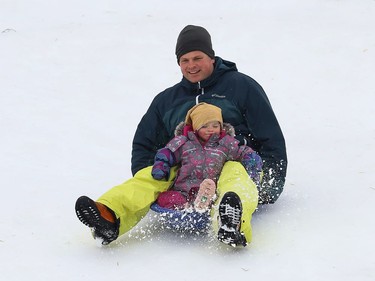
<point x="131" y="200"/>
<point x="122" y="207"/>
<point x="234" y="185"/>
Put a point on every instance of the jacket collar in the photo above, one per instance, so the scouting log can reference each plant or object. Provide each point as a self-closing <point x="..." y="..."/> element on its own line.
<point x="221" y="67"/>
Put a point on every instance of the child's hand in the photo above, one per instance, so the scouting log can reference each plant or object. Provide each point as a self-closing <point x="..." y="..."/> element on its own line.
<point x="160" y="170"/>
<point x="164" y="160"/>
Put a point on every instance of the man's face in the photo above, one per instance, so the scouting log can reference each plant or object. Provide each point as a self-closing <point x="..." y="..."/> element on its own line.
<point x="196" y="66"/>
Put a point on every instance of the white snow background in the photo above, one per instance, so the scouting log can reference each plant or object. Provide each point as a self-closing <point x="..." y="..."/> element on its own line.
<point x="77" y="76"/>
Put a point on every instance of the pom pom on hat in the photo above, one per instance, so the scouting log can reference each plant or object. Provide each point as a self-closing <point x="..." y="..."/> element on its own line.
<point x="194" y="38"/>
<point x="203" y="113"/>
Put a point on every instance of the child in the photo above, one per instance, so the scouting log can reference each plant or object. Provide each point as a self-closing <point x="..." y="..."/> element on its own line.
<point x="202" y="145"/>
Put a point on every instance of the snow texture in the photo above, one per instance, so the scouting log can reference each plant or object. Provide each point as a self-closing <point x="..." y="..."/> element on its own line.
<point x="76" y="78"/>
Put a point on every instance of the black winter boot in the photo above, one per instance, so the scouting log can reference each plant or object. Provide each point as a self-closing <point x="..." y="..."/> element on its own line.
<point x="230" y="212"/>
<point x="99" y="218"/>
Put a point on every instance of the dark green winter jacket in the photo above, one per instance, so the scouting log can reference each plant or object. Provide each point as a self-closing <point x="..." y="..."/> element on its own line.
<point x="244" y="105"/>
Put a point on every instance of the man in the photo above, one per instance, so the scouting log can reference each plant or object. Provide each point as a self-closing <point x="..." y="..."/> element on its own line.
<point x="244" y="105"/>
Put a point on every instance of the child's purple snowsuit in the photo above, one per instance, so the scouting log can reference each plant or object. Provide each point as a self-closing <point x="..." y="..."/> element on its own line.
<point x="203" y="161"/>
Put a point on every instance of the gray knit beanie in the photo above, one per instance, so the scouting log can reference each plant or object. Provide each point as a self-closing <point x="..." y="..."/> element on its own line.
<point x="194" y="38"/>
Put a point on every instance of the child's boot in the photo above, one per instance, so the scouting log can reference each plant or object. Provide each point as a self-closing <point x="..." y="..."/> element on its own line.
<point x="206" y="195"/>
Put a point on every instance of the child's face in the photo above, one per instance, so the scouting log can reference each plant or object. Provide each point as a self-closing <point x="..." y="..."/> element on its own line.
<point x="209" y="129"/>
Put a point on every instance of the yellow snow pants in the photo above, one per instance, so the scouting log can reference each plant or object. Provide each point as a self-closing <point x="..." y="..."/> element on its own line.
<point x="131" y="200"/>
<point x="235" y="178"/>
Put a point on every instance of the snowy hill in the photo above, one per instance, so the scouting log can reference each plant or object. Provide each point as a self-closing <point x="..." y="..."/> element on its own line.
<point x="77" y="76"/>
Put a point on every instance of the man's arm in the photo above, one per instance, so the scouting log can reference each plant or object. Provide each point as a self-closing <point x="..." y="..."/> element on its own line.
<point x="149" y="137"/>
<point x="267" y="138"/>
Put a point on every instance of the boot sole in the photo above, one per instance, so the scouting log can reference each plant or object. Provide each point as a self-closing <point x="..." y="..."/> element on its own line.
<point x="89" y="215"/>
<point x="87" y="212"/>
<point x="229" y="231"/>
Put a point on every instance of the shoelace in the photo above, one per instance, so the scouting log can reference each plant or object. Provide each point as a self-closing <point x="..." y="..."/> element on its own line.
<point x="233" y="213"/>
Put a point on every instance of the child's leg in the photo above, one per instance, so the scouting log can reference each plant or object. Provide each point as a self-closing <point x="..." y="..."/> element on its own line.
<point x="171" y="199"/>
<point x="131" y="200"/>
<point x="206" y="195"/>
<point x="234" y="178"/>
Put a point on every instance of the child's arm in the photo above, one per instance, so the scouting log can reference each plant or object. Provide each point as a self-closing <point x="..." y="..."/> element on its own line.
<point x="167" y="157"/>
<point x="247" y="156"/>
<point x="164" y="160"/>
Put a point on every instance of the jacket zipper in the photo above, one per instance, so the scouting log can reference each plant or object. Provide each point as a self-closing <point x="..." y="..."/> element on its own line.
<point x="200" y="92"/>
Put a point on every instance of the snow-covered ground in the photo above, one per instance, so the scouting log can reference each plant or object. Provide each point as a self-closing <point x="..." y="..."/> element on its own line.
<point x="77" y="76"/>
